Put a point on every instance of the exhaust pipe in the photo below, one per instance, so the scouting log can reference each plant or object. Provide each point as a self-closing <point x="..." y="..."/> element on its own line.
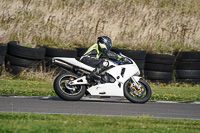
<point x="61" y="64"/>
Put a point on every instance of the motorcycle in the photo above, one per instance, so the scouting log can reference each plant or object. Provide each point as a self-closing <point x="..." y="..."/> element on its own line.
<point x="119" y="79"/>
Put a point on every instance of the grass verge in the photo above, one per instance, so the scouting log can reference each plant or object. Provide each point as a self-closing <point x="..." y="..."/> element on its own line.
<point x="175" y="92"/>
<point x="15" y="122"/>
<point x="23" y="87"/>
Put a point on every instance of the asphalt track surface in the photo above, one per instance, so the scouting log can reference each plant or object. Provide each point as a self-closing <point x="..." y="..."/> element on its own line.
<point x="96" y="106"/>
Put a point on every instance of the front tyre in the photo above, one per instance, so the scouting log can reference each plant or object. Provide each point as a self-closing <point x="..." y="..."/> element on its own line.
<point x="135" y="95"/>
<point x="66" y="91"/>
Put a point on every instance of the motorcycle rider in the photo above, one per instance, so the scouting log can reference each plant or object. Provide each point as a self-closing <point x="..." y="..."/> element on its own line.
<point x="93" y="55"/>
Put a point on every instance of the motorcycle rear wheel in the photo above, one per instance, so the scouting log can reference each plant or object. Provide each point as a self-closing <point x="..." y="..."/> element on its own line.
<point x="137" y="96"/>
<point x="65" y="91"/>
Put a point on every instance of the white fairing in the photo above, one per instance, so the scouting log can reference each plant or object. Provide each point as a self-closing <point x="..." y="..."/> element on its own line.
<point x="116" y="88"/>
<point x="129" y="70"/>
<point x="107" y="89"/>
<point x="72" y="61"/>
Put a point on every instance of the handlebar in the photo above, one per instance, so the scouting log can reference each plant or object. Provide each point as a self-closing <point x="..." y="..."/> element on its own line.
<point x="121" y="62"/>
<point x="125" y="60"/>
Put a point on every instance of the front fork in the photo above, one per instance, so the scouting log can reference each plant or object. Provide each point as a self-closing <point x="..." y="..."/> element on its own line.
<point x="136" y="83"/>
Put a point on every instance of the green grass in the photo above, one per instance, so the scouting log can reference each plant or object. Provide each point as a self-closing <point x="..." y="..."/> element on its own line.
<point x="175" y="92"/>
<point x="171" y="92"/>
<point x="22" y="87"/>
<point x="15" y="122"/>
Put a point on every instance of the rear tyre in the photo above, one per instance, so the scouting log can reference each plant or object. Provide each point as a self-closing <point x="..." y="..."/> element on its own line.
<point x="66" y="91"/>
<point x="137" y="96"/>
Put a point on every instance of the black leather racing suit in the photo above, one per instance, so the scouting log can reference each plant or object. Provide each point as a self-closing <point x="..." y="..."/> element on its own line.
<point x="96" y="55"/>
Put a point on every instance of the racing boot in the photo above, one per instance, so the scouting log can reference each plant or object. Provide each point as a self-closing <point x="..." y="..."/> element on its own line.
<point x="94" y="75"/>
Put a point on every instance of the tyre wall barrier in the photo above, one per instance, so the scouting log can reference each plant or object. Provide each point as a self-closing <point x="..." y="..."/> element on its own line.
<point x="153" y="67"/>
<point x="187" y="67"/>
<point x="20" y="58"/>
<point x="159" y="67"/>
<point x="3" y="50"/>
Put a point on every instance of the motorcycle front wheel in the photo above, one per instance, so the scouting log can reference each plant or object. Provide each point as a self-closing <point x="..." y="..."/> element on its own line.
<point x="135" y="95"/>
<point x="66" y="91"/>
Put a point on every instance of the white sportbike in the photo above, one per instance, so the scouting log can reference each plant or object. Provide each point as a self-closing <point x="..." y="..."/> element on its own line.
<point x="119" y="79"/>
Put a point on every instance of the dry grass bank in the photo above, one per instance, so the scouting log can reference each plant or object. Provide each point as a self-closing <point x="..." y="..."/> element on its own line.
<point x="153" y="25"/>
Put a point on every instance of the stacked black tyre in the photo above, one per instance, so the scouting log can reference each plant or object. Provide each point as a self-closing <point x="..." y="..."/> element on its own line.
<point x="188" y="67"/>
<point x="81" y="51"/>
<point x="3" y="50"/>
<point x="159" y="68"/>
<point x="138" y="57"/>
<point x="55" y="52"/>
<point x="20" y="58"/>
